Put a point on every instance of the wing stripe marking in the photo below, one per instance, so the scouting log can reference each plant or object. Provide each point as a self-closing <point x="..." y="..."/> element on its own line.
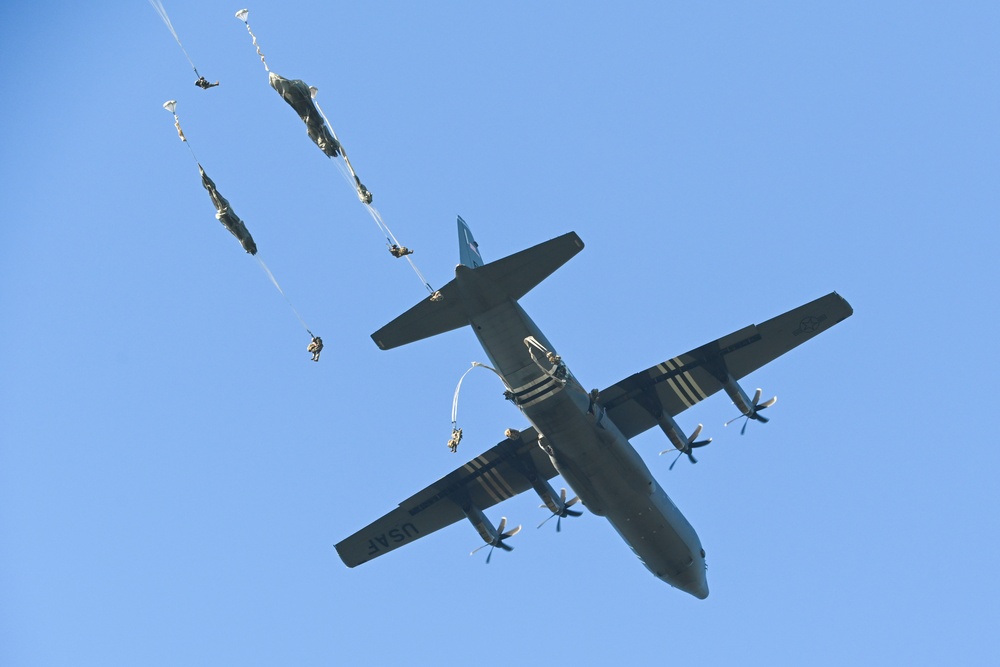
<point x="680" y="394"/>
<point x="482" y="481"/>
<point x="501" y="490"/>
<point x="677" y="384"/>
<point x="501" y="484"/>
<point x="687" y="382"/>
<point x="694" y="384"/>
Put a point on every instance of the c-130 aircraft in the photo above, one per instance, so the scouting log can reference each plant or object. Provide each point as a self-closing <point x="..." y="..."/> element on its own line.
<point x="581" y="435"/>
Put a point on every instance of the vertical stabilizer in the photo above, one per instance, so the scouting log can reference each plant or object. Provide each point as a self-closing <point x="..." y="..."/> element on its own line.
<point x="468" y="249"/>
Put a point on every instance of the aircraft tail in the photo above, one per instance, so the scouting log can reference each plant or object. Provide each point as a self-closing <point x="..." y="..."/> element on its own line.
<point x="468" y="249"/>
<point x="509" y="278"/>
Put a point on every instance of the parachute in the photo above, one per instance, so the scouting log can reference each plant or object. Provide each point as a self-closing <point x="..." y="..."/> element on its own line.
<point x="302" y="98"/>
<point x="299" y="97"/>
<point x="224" y="213"/>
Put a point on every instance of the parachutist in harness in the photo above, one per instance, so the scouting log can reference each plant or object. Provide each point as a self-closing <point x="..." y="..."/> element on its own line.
<point x="399" y="251"/>
<point x="456" y="437"/>
<point x="593" y="396"/>
<point x="203" y="83"/>
<point x="316" y="346"/>
<point x="558" y="367"/>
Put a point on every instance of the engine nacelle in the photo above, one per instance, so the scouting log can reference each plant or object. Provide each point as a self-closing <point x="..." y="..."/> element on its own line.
<point x="673" y="432"/>
<point x="482" y="525"/>
<point x="492" y="536"/>
<point x="738" y="396"/>
<point x="749" y="408"/>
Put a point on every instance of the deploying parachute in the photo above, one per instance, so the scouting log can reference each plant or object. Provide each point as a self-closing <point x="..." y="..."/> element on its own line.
<point x="223" y="211"/>
<point x="302" y="98"/>
<point x="224" y="214"/>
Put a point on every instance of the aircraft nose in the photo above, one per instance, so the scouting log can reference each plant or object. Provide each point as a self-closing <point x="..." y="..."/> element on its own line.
<point x="696" y="581"/>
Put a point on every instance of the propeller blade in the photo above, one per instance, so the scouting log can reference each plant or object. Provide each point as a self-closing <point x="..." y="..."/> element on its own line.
<point x="510" y="533"/>
<point x="700" y="443"/>
<point x="768" y="403"/>
<point x="675" y="461"/>
<point x="572" y="502"/>
<point x="694" y="436"/>
<point x="503" y="524"/>
<point x="743" y="430"/>
<point x="756" y="397"/>
<point x="574" y="513"/>
<point x="546" y="519"/>
<point x="691" y="456"/>
<point x="489" y="555"/>
<point x="734" y="419"/>
<point x="559" y="524"/>
<point x="505" y="546"/>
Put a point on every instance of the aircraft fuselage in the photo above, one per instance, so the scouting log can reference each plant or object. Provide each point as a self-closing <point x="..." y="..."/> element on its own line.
<point x="585" y="446"/>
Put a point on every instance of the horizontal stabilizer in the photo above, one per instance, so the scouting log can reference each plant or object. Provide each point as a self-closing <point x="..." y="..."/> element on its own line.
<point x="515" y="275"/>
<point x="509" y="278"/>
<point x="427" y="318"/>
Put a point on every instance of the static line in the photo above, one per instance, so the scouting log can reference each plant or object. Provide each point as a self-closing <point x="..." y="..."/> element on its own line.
<point x="454" y="401"/>
<point x="282" y="293"/>
<point x="158" y="6"/>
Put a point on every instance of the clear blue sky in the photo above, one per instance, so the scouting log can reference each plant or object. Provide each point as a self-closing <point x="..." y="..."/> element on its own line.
<point x="174" y="471"/>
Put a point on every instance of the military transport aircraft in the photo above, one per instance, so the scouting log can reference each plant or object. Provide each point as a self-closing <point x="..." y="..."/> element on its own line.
<point x="581" y="435"/>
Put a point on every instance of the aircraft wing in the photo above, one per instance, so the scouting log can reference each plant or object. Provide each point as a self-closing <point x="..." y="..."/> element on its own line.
<point x="500" y="473"/>
<point x="680" y="382"/>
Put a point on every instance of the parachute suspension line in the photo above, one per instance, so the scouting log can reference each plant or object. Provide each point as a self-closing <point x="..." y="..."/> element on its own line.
<point x="395" y="247"/>
<point x="316" y="343"/>
<point x="343" y="172"/>
<point x="282" y="293"/>
<point x="456" y="432"/>
<point x="363" y="193"/>
<point x="158" y="6"/>
<point x="242" y="15"/>
<point x="171" y="106"/>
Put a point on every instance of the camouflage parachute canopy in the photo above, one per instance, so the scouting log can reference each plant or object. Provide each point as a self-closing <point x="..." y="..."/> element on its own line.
<point x="224" y="214"/>
<point x="298" y="95"/>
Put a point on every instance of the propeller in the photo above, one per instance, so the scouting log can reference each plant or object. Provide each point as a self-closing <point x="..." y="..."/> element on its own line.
<point x="688" y="446"/>
<point x="499" y="541"/>
<point x="755" y="409"/>
<point x="564" y="510"/>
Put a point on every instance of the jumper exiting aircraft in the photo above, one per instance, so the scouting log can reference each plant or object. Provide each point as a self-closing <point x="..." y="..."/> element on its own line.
<point x="581" y="435"/>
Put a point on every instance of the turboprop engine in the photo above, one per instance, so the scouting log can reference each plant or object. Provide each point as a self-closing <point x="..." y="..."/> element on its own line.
<point x="493" y="536"/>
<point x="749" y="409"/>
